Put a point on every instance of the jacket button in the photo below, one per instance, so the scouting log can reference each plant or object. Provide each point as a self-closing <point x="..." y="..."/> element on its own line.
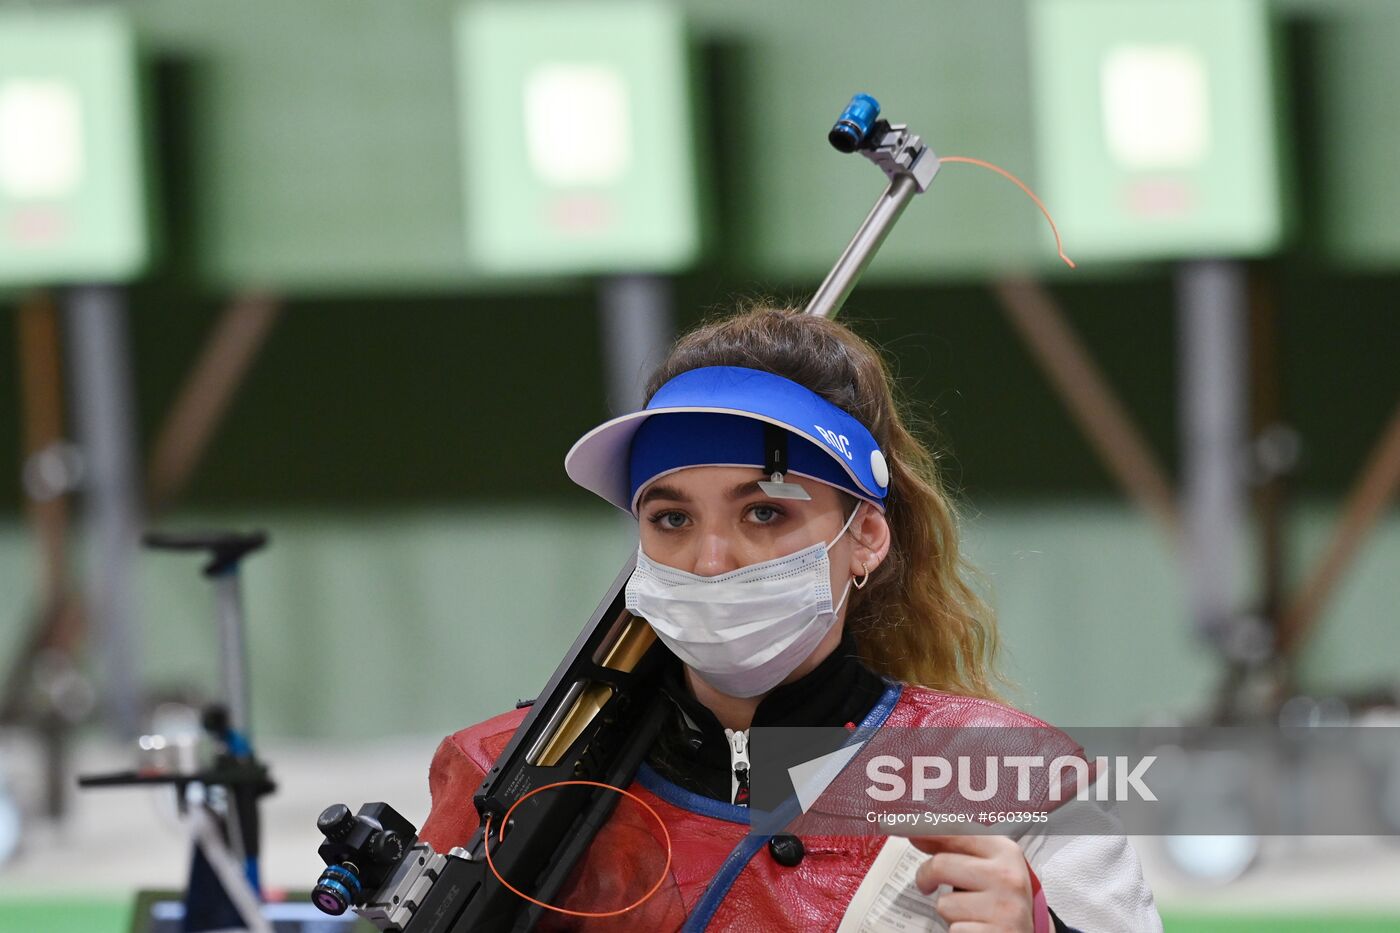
<point x="786" y="850"/>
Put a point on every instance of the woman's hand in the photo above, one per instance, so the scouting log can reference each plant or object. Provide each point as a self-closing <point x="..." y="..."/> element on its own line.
<point x="992" y="886"/>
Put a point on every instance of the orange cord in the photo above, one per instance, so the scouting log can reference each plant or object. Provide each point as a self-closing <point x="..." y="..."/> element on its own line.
<point x="1024" y="187"/>
<point x="665" y="869"/>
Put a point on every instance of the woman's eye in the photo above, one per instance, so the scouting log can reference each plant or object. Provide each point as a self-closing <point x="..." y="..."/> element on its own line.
<point x="669" y="520"/>
<point x="764" y="514"/>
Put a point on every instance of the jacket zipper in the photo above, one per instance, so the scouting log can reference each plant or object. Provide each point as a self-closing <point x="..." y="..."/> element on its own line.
<point x="738" y="765"/>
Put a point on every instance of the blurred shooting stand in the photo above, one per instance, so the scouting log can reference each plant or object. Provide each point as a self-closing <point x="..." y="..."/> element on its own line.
<point x="218" y="802"/>
<point x="72" y="236"/>
<point x="1235" y="443"/>
<point x="46" y="689"/>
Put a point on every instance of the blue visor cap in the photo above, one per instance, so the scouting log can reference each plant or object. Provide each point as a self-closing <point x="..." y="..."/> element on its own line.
<point x="715" y="416"/>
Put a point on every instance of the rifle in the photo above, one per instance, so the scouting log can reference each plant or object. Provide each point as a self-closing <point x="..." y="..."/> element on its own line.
<point x="596" y="718"/>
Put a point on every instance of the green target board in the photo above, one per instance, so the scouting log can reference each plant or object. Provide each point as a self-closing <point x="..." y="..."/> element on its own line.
<point x="576" y="137"/>
<point x="72" y="197"/>
<point x="1157" y="126"/>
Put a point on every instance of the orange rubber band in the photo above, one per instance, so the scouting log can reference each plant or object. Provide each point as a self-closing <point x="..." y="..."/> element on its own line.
<point x="1024" y="187"/>
<point x="665" y="869"/>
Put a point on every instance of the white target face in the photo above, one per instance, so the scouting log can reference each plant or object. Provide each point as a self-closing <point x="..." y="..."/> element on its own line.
<point x="41" y="139"/>
<point x="578" y="127"/>
<point x="1156" y="108"/>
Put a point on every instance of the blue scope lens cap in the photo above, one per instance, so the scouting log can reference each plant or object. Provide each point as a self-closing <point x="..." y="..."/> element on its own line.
<point x="854" y="124"/>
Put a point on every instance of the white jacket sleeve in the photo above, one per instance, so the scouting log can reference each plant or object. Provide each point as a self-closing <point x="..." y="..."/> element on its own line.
<point x="1090" y="874"/>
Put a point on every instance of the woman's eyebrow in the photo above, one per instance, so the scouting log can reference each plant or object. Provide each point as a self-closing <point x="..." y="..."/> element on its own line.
<point x="744" y="490"/>
<point x="663" y="492"/>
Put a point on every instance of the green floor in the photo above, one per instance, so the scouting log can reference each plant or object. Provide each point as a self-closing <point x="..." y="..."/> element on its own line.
<point x="45" y="916"/>
<point x="1272" y="923"/>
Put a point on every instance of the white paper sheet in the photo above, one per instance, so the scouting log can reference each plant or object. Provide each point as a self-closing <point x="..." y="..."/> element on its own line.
<point x="887" y="901"/>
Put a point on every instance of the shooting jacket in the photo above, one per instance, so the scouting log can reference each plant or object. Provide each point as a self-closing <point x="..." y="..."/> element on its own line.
<point x="722" y="878"/>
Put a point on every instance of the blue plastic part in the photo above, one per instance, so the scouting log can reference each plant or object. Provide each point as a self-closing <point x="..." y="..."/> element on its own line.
<point x="238" y="744"/>
<point x="343" y="877"/>
<point x="855" y="122"/>
<point x="250" y="868"/>
<point x="344" y="892"/>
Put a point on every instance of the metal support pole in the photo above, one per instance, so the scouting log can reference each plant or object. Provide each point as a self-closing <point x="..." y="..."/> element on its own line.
<point x="1213" y="397"/>
<point x="105" y="419"/>
<point x="638" y="324"/>
<point x="842" y="278"/>
<point x="233" y="659"/>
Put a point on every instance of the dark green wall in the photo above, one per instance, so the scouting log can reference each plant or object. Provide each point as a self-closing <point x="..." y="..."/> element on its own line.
<point x="390" y="400"/>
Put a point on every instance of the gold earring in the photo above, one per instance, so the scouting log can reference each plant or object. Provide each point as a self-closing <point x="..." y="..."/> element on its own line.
<point x="860" y="584"/>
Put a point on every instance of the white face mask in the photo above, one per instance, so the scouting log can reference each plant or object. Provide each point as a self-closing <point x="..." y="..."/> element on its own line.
<point x="746" y="630"/>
